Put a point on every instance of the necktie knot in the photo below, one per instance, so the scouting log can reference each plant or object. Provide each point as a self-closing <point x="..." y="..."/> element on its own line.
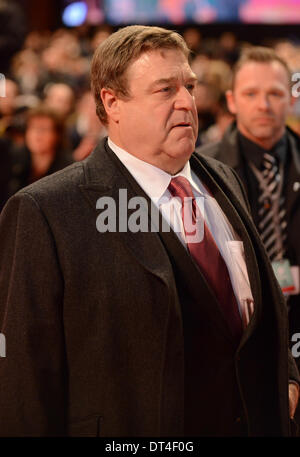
<point x="180" y="187"/>
<point x="270" y="162"/>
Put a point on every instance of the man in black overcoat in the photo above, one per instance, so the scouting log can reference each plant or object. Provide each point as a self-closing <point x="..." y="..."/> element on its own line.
<point x="112" y="327"/>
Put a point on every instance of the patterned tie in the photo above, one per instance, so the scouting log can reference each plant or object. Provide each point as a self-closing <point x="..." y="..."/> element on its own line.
<point x="271" y="214"/>
<point x="208" y="257"/>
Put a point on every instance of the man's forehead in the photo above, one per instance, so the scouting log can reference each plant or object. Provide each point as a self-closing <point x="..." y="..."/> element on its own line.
<point x="262" y="73"/>
<point x="161" y="64"/>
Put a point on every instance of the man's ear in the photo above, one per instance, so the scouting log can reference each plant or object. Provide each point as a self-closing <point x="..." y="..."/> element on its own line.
<point x="230" y="101"/>
<point x="111" y="103"/>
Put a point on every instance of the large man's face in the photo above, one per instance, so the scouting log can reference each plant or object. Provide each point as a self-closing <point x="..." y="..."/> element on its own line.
<point x="261" y="101"/>
<point x="158" y="123"/>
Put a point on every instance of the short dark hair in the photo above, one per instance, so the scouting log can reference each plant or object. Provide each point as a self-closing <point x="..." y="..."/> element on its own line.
<point x="259" y="54"/>
<point x="114" y="55"/>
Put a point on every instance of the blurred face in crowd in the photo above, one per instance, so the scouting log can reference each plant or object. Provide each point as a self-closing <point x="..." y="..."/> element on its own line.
<point x="261" y="101"/>
<point x="60" y="99"/>
<point x="158" y="121"/>
<point x="41" y="136"/>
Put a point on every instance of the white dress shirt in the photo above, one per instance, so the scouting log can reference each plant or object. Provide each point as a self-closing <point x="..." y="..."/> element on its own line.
<point x="154" y="181"/>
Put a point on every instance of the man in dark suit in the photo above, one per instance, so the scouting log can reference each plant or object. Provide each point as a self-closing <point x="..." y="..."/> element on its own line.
<point x="117" y="324"/>
<point x="261" y="100"/>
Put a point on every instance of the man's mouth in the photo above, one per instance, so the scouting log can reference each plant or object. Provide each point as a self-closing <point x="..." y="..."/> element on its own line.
<point x="182" y="124"/>
<point x="264" y="119"/>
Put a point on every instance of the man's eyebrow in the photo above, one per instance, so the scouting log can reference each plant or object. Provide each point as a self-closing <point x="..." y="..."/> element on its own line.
<point x="252" y="87"/>
<point x="257" y="87"/>
<point x="162" y="81"/>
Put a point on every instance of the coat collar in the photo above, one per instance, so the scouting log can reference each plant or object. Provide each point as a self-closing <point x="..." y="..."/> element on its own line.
<point x="229" y="152"/>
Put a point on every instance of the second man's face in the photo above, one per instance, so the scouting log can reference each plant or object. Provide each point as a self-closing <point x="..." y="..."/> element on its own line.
<point x="261" y="101"/>
<point x="159" y="122"/>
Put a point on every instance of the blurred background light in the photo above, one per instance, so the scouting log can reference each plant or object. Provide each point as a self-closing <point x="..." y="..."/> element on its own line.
<point x="74" y="14"/>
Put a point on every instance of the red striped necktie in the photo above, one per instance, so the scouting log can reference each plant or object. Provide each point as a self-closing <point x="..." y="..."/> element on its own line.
<point x="207" y="255"/>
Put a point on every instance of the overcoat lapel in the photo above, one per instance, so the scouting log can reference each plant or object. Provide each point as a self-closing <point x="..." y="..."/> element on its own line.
<point x="105" y="179"/>
<point x="225" y="195"/>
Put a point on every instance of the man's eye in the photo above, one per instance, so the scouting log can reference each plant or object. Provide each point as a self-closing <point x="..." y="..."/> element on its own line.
<point x="190" y="87"/>
<point x="165" y="89"/>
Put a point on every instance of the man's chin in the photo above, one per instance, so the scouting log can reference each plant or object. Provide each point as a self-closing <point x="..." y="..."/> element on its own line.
<point x="184" y="145"/>
<point x="263" y="133"/>
<point x="264" y="130"/>
<point x="183" y="150"/>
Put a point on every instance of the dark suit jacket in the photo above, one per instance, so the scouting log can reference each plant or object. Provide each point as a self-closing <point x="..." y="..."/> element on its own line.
<point x="227" y="151"/>
<point x="93" y="321"/>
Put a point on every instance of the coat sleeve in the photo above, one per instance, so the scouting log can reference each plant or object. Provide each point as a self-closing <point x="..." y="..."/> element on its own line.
<point x="32" y="373"/>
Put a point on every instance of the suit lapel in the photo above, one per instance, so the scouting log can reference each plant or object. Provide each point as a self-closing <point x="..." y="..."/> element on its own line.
<point x="225" y="195"/>
<point x="229" y="153"/>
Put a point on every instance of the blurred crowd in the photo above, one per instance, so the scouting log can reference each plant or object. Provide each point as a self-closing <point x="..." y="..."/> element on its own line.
<point x="48" y="118"/>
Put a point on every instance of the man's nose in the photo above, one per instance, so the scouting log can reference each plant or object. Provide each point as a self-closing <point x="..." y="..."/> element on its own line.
<point x="263" y="102"/>
<point x="184" y="99"/>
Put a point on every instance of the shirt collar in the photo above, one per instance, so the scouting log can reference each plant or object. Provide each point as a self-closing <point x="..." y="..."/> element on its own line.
<point x="252" y="152"/>
<point x="195" y="182"/>
<point x="153" y="180"/>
